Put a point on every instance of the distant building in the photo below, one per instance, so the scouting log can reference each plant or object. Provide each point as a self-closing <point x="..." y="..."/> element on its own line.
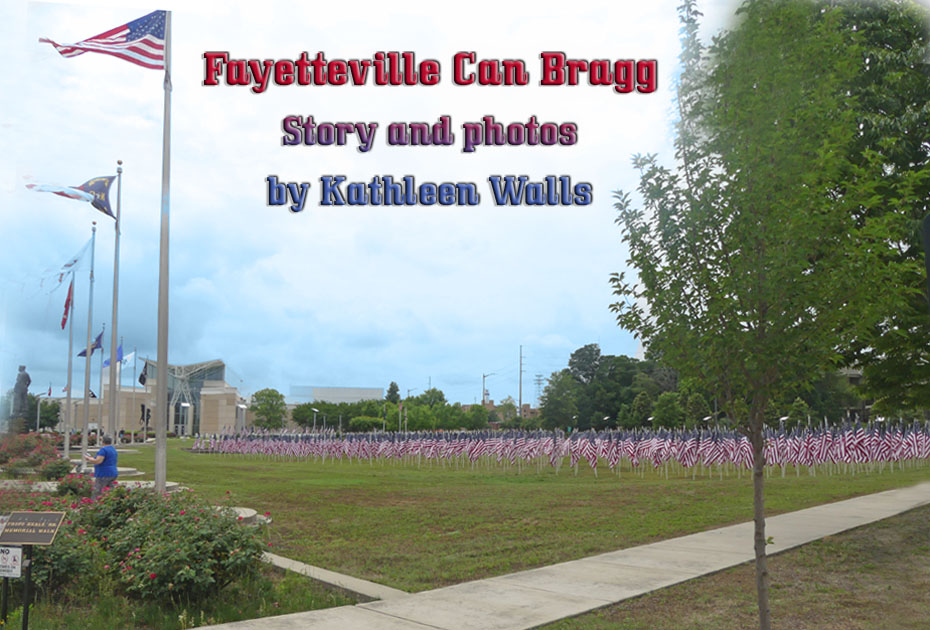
<point x="309" y="393"/>
<point x="200" y="401"/>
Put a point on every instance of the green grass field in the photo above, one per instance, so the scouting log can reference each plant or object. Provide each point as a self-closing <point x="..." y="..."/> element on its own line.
<point x="875" y="577"/>
<point x="417" y="528"/>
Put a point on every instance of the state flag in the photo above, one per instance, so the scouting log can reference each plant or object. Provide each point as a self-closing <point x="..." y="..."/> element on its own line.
<point x="98" y="343"/>
<point x="95" y="191"/>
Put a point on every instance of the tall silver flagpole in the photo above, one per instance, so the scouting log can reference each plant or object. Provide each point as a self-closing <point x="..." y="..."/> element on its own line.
<point x="161" y="385"/>
<point x="133" y="405"/>
<point x="68" y="418"/>
<point x="87" y="352"/>
<point x="114" y="384"/>
<point x="100" y="426"/>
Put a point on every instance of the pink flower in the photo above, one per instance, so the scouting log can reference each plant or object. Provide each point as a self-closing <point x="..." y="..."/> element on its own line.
<point x="151" y="576"/>
<point x="181" y="513"/>
<point x="267" y="513"/>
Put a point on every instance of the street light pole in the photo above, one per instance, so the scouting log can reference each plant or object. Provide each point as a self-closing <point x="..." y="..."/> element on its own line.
<point x="38" y="409"/>
<point x="484" y="391"/>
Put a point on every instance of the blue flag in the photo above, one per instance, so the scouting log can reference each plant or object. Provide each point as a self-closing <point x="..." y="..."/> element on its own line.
<point x="98" y="343"/>
<point x="119" y="356"/>
<point x="99" y="187"/>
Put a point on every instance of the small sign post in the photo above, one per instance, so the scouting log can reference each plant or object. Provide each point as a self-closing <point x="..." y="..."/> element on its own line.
<point x="11" y="562"/>
<point x="28" y="529"/>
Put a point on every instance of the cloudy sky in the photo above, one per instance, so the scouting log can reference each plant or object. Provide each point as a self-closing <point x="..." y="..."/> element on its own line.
<point x="330" y="296"/>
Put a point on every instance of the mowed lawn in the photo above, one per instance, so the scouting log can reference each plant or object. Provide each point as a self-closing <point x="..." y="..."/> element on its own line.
<point x="417" y="528"/>
<point x="875" y="577"/>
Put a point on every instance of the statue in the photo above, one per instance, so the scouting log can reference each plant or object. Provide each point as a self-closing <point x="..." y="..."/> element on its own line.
<point x="20" y="393"/>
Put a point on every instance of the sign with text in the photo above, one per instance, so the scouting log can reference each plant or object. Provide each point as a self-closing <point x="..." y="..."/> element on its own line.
<point x="31" y="528"/>
<point x="11" y="562"/>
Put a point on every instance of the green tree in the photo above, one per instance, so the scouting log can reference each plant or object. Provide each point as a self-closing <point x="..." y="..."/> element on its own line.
<point x="558" y="406"/>
<point x="364" y="424"/>
<point x="667" y="411"/>
<point x="696" y="409"/>
<point x="583" y="363"/>
<point x="49" y="414"/>
<point x="476" y="418"/>
<point x="269" y="408"/>
<point x="752" y="268"/>
<point x="641" y="410"/>
<point x="507" y="412"/>
<point x="393" y="393"/>
<point x="432" y="398"/>
<point x="303" y="414"/>
<point x="798" y="414"/>
<point x="890" y="95"/>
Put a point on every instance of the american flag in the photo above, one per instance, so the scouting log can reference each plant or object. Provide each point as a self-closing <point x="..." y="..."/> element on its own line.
<point x="141" y="42"/>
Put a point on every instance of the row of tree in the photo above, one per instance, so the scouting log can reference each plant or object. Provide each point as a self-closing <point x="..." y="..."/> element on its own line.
<point x="600" y="391"/>
<point x="428" y="411"/>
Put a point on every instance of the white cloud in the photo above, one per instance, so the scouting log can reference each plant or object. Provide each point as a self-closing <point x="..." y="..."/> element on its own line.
<point x="330" y="296"/>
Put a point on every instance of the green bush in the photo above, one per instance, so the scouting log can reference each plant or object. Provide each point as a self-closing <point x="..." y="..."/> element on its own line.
<point x="365" y="423"/>
<point x="76" y="484"/>
<point x="154" y="547"/>
<point x="198" y="550"/>
<point x="74" y="558"/>
<point x="18" y="468"/>
<point x="33" y="449"/>
<point x="55" y="469"/>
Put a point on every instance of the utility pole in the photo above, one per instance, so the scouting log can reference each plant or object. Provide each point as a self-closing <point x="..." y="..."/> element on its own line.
<point x="520" y="395"/>
<point x="539" y="383"/>
<point x="484" y="391"/>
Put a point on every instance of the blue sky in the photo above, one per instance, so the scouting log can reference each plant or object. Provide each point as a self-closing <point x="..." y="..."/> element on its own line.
<point x="350" y="296"/>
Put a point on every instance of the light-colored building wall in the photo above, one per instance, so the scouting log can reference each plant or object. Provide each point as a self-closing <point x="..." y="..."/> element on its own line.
<point x="222" y="410"/>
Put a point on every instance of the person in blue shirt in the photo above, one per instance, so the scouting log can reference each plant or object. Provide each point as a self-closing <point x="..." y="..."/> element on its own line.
<point x="104" y="466"/>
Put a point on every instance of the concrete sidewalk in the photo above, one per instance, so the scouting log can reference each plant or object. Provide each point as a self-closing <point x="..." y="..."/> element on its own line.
<point x="532" y="598"/>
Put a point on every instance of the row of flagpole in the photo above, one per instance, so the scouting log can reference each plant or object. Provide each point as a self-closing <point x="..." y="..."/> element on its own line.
<point x="146" y="42"/>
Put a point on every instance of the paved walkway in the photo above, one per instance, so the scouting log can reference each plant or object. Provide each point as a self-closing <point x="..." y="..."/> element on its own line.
<point x="533" y="598"/>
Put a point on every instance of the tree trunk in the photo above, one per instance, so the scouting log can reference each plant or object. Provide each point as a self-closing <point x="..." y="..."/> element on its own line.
<point x="758" y="505"/>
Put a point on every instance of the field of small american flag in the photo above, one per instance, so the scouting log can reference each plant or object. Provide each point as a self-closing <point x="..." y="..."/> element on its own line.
<point x="415" y="523"/>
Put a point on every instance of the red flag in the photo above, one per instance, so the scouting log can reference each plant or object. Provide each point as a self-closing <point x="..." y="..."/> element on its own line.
<point x="64" y="318"/>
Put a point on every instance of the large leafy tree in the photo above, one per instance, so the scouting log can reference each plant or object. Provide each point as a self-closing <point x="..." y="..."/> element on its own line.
<point x="558" y="404"/>
<point x="583" y="363"/>
<point x="49" y="413"/>
<point x="892" y="104"/>
<point x="269" y="408"/>
<point x="756" y="258"/>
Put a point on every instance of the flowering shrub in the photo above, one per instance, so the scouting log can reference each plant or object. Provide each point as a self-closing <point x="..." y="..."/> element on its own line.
<point x="31" y="448"/>
<point x="173" y="547"/>
<point x="25" y="454"/>
<point x="198" y="550"/>
<point x="55" y="469"/>
<point x="76" y="484"/>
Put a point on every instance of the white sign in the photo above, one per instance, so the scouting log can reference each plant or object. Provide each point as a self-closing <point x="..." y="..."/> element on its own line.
<point x="11" y="561"/>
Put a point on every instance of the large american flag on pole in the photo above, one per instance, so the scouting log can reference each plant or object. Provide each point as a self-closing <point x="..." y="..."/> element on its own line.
<point x="141" y="42"/>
